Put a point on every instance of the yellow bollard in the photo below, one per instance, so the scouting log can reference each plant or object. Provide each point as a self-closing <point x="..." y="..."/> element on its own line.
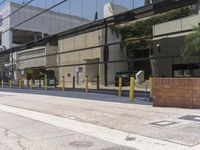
<point x="31" y="84"/>
<point x="20" y="84"/>
<point x="46" y="84"/>
<point x="120" y="87"/>
<point x="151" y="86"/>
<point x="10" y="84"/>
<point x="2" y="84"/>
<point x="86" y="84"/>
<point x="63" y="84"/>
<point x="132" y="87"/>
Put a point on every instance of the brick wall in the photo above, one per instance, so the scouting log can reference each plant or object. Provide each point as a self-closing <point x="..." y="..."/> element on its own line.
<point x="176" y="92"/>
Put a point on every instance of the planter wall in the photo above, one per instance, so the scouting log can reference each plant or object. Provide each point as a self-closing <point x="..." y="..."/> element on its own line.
<point x="176" y="92"/>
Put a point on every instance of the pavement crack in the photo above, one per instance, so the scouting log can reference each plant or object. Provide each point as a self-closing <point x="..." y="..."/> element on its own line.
<point x="6" y="132"/>
<point x="10" y="134"/>
<point x="21" y="145"/>
<point x="56" y="137"/>
<point x="17" y="136"/>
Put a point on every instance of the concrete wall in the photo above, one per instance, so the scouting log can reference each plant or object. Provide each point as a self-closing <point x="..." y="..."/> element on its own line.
<point x="79" y="57"/>
<point x="52" y="61"/>
<point x="171" y="45"/>
<point x="115" y="53"/>
<point x="30" y="53"/>
<point x="85" y="56"/>
<point x="40" y="62"/>
<point x="176" y="25"/>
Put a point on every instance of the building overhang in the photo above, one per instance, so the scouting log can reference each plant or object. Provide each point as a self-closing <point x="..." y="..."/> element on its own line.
<point x="131" y="15"/>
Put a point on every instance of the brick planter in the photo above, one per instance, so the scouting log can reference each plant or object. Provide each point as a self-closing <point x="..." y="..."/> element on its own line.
<point x="176" y="92"/>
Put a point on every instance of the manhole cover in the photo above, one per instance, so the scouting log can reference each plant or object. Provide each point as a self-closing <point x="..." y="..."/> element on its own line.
<point x="79" y="144"/>
<point x="191" y="118"/>
<point x="164" y="123"/>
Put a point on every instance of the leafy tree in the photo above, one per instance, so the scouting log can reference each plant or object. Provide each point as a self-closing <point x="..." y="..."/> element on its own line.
<point x="192" y="43"/>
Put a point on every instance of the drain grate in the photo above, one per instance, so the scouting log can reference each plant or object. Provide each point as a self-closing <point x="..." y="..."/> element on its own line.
<point x="164" y="123"/>
<point x="79" y="144"/>
<point x="191" y="118"/>
<point x="130" y="138"/>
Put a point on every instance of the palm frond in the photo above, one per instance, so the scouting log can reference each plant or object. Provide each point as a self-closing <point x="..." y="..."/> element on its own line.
<point x="192" y="43"/>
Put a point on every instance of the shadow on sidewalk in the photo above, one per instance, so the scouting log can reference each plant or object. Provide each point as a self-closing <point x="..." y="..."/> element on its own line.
<point x="80" y="94"/>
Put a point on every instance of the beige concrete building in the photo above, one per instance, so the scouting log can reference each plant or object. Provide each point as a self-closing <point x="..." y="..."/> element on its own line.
<point x="13" y="33"/>
<point x="87" y="56"/>
<point x="73" y="60"/>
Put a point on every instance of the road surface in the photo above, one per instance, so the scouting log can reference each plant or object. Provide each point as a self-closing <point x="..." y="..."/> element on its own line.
<point x="73" y="120"/>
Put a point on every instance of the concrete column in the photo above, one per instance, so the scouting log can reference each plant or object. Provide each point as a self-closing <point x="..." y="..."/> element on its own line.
<point x="7" y="39"/>
<point x="154" y="67"/>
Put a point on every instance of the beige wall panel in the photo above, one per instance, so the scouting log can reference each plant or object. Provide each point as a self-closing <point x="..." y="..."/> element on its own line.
<point x="74" y="58"/>
<point x="92" y="39"/>
<point x="68" y="44"/>
<point x="79" y="41"/>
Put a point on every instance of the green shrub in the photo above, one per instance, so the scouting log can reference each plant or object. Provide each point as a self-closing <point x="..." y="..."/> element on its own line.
<point x="144" y="27"/>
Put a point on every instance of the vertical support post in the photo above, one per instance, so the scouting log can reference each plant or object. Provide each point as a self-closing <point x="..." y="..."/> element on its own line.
<point x="98" y="87"/>
<point x="132" y="86"/>
<point x="28" y="83"/>
<point x="55" y="82"/>
<point x="40" y="84"/>
<point x="74" y="84"/>
<point x="31" y="84"/>
<point x="172" y="67"/>
<point x="46" y="84"/>
<point x="151" y="86"/>
<point x="146" y="92"/>
<point x="12" y="76"/>
<point x="63" y="83"/>
<point x="106" y="55"/>
<point x="20" y="84"/>
<point x="86" y="84"/>
<point x="120" y="87"/>
<point x="22" y="81"/>
<point x="10" y="84"/>
<point x="2" y="84"/>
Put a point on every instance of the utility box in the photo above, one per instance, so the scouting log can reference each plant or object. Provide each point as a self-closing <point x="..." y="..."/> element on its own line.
<point x="140" y="76"/>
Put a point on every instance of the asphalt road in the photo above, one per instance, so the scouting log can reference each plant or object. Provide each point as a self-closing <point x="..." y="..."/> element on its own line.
<point x="93" y="121"/>
<point x="20" y="133"/>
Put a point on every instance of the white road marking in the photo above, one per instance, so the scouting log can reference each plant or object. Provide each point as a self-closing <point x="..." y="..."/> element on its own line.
<point x="103" y="133"/>
<point x="197" y="118"/>
<point x="164" y="123"/>
<point x="197" y="147"/>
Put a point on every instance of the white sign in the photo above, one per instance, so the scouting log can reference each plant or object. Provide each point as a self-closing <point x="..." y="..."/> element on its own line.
<point x="22" y="72"/>
<point x="76" y="68"/>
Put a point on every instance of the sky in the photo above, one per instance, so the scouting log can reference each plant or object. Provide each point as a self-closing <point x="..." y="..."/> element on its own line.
<point x="82" y="8"/>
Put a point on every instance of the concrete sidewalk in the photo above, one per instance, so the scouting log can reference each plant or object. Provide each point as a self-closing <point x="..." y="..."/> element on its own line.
<point x="56" y="91"/>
